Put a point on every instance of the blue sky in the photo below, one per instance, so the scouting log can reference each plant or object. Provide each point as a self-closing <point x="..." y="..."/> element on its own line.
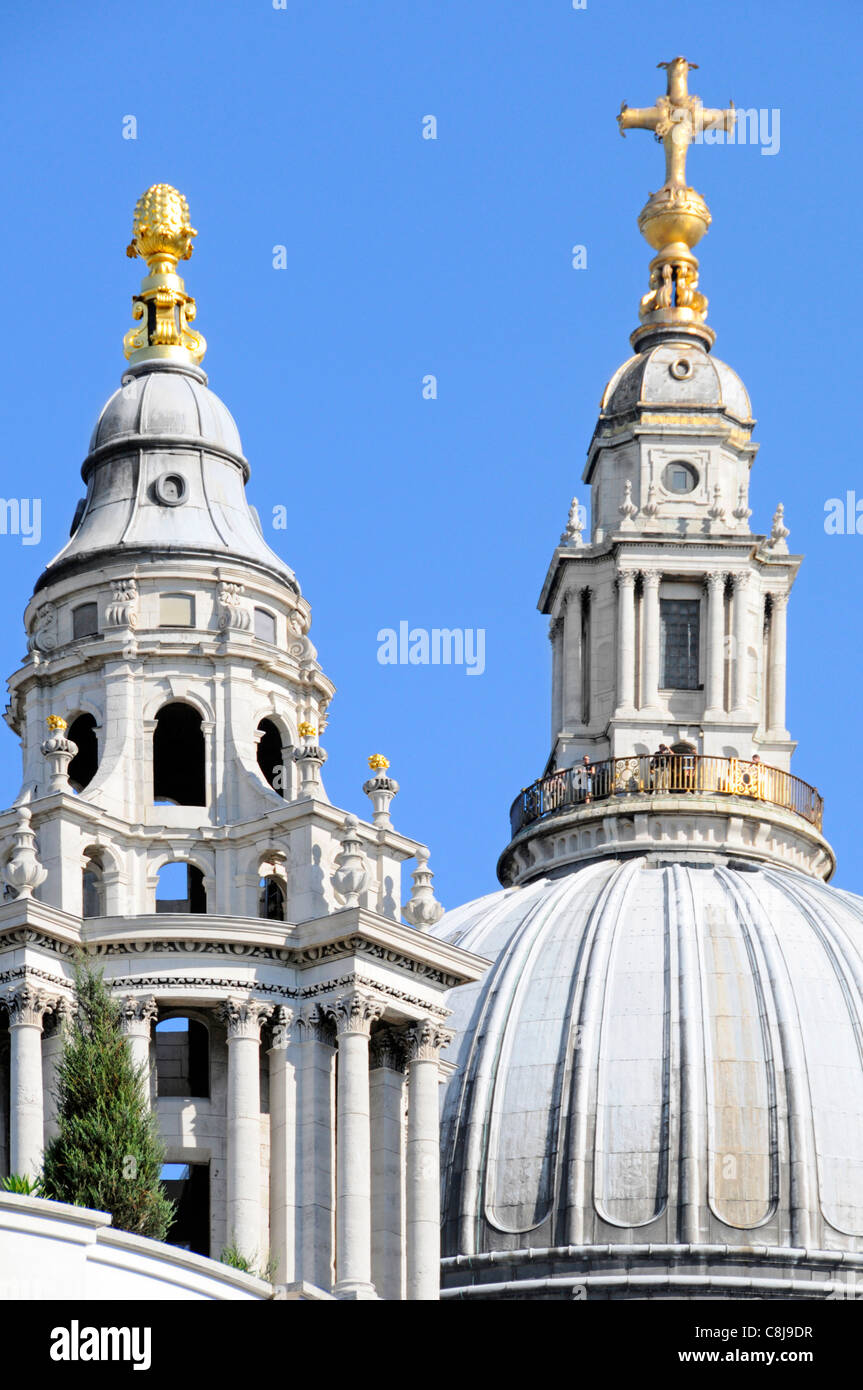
<point x="302" y="127"/>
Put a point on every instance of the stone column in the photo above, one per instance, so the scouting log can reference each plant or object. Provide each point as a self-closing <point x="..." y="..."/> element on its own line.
<point x="137" y="1017"/>
<point x="424" y="1042"/>
<point x="715" y="703"/>
<point x="625" y="641"/>
<point x="27" y="1007"/>
<point x="53" y="1039"/>
<point x="740" y="663"/>
<point x="572" y="663"/>
<point x="387" y="1097"/>
<point x="650" y="663"/>
<point x="353" y="1015"/>
<point x="283" y="1137"/>
<point x="242" y="1018"/>
<point x="315" y="1147"/>
<point x="555" y="637"/>
<point x="776" y="687"/>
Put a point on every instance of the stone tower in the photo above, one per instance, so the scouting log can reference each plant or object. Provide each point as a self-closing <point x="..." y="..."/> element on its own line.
<point x="170" y="710"/>
<point x="658" y="1089"/>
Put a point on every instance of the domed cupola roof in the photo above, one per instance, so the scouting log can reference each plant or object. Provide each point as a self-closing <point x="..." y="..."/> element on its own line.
<point x="661" y="1056"/>
<point x="171" y="401"/>
<point x="677" y="376"/>
<point x="165" y="473"/>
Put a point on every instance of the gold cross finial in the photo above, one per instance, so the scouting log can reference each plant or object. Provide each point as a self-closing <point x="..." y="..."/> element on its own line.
<point x="676" y="217"/>
<point x="676" y="119"/>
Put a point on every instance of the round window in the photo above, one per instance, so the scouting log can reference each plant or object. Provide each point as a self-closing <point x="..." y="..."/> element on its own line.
<point x="680" y="477"/>
<point x="170" y="489"/>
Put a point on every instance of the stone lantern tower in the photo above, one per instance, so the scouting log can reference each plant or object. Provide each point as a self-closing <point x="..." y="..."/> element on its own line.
<point x="172" y="818"/>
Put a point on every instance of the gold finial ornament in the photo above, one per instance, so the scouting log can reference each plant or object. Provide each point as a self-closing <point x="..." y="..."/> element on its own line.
<point x="162" y="235"/>
<point x="676" y="217"/>
<point x="54" y="721"/>
<point x="378" y="763"/>
<point x="306" y="730"/>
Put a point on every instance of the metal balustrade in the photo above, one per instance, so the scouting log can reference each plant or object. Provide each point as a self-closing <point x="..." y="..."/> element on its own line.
<point x="670" y="773"/>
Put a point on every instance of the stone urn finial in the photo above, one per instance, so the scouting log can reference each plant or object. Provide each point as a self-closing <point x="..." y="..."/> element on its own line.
<point x="422" y="909"/>
<point x="309" y="758"/>
<point x="23" y="872"/>
<point x="352" y="875"/>
<point x="59" y="751"/>
<point x="380" y="789"/>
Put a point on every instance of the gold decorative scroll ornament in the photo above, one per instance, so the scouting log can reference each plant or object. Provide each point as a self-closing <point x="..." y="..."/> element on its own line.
<point x="676" y="217"/>
<point x="162" y="236"/>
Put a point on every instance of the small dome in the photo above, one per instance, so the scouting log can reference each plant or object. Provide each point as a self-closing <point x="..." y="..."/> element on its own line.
<point x="167" y="401"/>
<point x="662" y="1056"/>
<point x="676" y="375"/>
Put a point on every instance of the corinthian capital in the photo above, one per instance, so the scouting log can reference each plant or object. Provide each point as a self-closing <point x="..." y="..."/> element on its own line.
<point x="27" y="1006"/>
<point x="137" y="1015"/>
<point x="243" y="1017"/>
<point x="716" y="579"/>
<point x="651" y="579"/>
<point x="423" y="1042"/>
<point x="626" y="579"/>
<point x="354" y="1012"/>
<point x="387" y="1050"/>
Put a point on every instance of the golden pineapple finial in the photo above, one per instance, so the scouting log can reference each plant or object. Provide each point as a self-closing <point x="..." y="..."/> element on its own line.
<point x="162" y="235"/>
<point x="378" y="763"/>
<point x="55" y="721"/>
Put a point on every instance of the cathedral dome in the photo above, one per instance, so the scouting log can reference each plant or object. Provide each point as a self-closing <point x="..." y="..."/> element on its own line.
<point x="171" y="401"/>
<point x="676" y="374"/>
<point x="658" y="1082"/>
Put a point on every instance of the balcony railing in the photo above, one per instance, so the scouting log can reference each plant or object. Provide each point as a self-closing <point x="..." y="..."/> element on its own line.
<point x="671" y="773"/>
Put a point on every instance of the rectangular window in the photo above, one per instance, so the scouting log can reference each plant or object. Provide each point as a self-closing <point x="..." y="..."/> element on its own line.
<point x="265" y="625"/>
<point x="85" y="620"/>
<point x="177" y="610"/>
<point x="679" y="639"/>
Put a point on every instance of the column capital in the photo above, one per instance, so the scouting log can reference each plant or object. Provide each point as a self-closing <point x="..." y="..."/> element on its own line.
<point x="779" y="600"/>
<point x="312" y="1024"/>
<point x="282" y="1021"/>
<point x="741" y="579"/>
<point x="137" y="1015"/>
<point x="386" y="1049"/>
<point x="27" y="1005"/>
<point x="651" y="578"/>
<point x="354" y="1012"/>
<point x="626" y="578"/>
<point x="424" y="1041"/>
<point x="243" y="1016"/>
<point x="716" y="579"/>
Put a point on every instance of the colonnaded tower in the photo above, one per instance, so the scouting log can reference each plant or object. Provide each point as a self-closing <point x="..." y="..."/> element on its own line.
<point x="172" y="819"/>
<point x="659" y="1084"/>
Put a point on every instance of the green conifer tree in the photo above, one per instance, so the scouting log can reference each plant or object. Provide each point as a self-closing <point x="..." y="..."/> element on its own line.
<point x="108" y="1153"/>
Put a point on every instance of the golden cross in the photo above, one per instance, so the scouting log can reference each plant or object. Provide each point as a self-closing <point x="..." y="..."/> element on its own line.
<point x="676" y="120"/>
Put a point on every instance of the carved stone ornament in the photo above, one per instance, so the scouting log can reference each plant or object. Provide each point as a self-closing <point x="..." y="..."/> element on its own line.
<point x="122" y="611"/>
<point x="355" y="1012"/>
<point x="351" y="875"/>
<point x="243" y="1017"/>
<point x="27" y="1006"/>
<point x="423" y="1041"/>
<point x="138" y="1015"/>
<point x="43" y="634"/>
<point x="233" y="612"/>
<point x="422" y="909"/>
<point x="23" y="872"/>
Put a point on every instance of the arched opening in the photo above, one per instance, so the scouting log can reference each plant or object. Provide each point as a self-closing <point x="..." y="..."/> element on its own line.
<point x="82" y="768"/>
<point x="271" y="899"/>
<point x="270" y="755"/>
<point x="180" y="888"/>
<point x="182" y="1058"/>
<point x="93" y="887"/>
<point x="188" y="1187"/>
<point x="178" y="756"/>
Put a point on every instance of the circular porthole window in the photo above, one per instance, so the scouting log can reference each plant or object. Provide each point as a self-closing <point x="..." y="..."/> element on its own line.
<point x="681" y="369"/>
<point x="171" y="489"/>
<point x="680" y="477"/>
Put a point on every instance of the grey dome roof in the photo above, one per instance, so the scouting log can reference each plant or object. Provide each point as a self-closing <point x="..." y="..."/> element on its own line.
<point x="659" y="1054"/>
<point x="654" y="378"/>
<point x="167" y="402"/>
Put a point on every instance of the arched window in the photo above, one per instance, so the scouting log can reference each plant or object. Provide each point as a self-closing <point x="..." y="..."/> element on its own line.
<point x="180" y="888"/>
<point x="271" y="899"/>
<point x="182" y="1057"/>
<point x="178" y="756"/>
<point x="270" y="755"/>
<point x="93" y="888"/>
<point x="82" y="768"/>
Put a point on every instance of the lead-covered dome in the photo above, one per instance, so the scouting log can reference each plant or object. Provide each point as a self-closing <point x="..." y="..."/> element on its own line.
<point x="676" y="374"/>
<point x="171" y="401"/>
<point x="658" y="1086"/>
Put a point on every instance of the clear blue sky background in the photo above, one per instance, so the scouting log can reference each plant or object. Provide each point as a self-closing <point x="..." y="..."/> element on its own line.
<point x="303" y="127"/>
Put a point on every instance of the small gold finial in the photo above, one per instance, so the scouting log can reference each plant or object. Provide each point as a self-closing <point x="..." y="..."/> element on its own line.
<point x="54" y="721"/>
<point x="378" y="763"/>
<point x="676" y="217"/>
<point x="306" y="730"/>
<point x="162" y="235"/>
